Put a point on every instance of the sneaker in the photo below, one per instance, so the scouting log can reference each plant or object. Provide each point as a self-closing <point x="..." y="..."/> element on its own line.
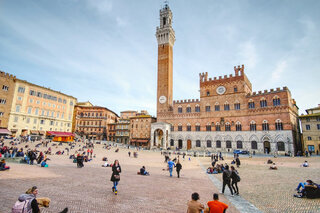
<point x="232" y="195"/>
<point x="116" y="192"/>
<point x="221" y="192"/>
<point x="112" y="189"/>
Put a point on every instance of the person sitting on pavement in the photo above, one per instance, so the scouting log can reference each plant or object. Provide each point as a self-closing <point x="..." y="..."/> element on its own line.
<point x="194" y="206"/>
<point x="143" y="171"/>
<point x="273" y="167"/>
<point x="309" y="190"/>
<point x="3" y="166"/>
<point x="216" y="206"/>
<point x="305" y="164"/>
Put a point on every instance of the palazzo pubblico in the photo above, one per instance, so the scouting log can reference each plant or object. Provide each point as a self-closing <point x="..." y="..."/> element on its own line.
<point x="227" y="116"/>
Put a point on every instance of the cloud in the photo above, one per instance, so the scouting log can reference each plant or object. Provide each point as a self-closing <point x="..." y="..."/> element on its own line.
<point x="247" y="54"/>
<point x="280" y="69"/>
<point x="102" y="6"/>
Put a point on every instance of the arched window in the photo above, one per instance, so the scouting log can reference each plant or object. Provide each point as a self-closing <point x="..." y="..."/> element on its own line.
<point x="208" y="127"/>
<point x="197" y="127"/>
<point x="238" y="126"/>
<point x="254" y="145"/>
<point x="188" y="127"/>
<point x="228" y="144"/>
<point x="218" y="144"/>
<point x="226" y="106"/>
<point x="218" y="128"/>
<point x="253" y="126"/>
<point x="227" y="127"/>
<point x="263" y="103"/>
<point x="265" y="126"/>
<point x="209" y="143"/>
<point x="179" y="127"/>
<point x="251" y="104"/>
<point x="237" y="105"/>
<point x="179" y="109"/>
<point x="197" y="109"/>
<point x="171" y="142"/>
<point x="198" y="143"/>
<point x="280" y="146"/>
<point x="188" y="109"/>
<point x="239" y="144"/>
<point x="208" y="93"/>
<point x="216" y="107"/>
<point x="207" y="108"/>
<point x="279" y="125"/>
<point x="276" y="101"/>
<point x="172" y="127"/>
<point x="235" y="89"/>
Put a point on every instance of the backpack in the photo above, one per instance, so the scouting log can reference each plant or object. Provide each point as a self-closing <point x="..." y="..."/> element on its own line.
<point x="22" y="207"/>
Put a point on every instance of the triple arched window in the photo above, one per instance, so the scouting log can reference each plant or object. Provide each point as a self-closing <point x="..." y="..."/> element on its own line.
<point x="279" y="125"/>
<point x="276" y="101"/>
<point x="265" y="126"/>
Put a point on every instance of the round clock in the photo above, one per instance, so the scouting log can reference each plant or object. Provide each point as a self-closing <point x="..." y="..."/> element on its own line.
<point x="162" y="99"/>
<point x="220" y="90"/>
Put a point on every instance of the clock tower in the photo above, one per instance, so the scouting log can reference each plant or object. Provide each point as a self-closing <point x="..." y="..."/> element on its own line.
<point x="166" y="38"/>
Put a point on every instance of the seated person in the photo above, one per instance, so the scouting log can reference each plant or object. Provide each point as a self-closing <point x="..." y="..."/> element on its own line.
<point x="273" y="167"/>
<point x="106" y="164"/>
<point x="44" y="163"/>
<point x="233" y="162"/>
<point x="104" y="159"/>
<point x="143" y="171"/>
<point x="210" y="170"/>
<point x="301" y="185"/>
<point x="269" y="161"/>
<point x="305" y="164"/>
<point x="3" y="165"/>
<point x="310" y="190"/>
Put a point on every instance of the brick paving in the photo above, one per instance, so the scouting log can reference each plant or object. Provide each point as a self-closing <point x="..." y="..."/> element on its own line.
<point x="89" y="189"/>
<point x="272" y="190"/>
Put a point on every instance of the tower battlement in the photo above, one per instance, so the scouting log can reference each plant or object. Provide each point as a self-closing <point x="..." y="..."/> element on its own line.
<point x="239" y="72"/>
<point x="267" y="92"/>
<point x="186" y="101"/>
<point x="7" y="75"/>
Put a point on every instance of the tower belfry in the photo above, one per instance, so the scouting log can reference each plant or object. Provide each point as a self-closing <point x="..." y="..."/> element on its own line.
<point x="166" y="38"/>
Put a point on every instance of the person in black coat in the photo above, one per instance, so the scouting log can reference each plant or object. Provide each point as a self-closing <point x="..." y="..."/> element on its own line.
<point x="178" y="168"/>
<point x="226" y="176"/>
<point x="238" y="162"/>
<point x="115" y="177"/>
<point x="234" y="180"/>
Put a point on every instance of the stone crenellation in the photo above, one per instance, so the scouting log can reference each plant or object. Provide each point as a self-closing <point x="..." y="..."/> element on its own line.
<point x="239" y="71"/>
<point x="266" y="92"/>
<point x="186" y="101"/>
<point x="7" y="75"/>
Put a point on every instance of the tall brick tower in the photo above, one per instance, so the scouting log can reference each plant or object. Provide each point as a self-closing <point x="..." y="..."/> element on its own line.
<point x="166" y="38"/>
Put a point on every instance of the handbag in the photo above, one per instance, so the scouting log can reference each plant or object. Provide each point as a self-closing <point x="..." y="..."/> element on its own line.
<point x="117" y="177"/>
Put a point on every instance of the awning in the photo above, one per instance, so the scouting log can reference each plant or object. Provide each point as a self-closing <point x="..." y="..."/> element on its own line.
<point x="5" y="132"/>
<point x="60" y="134"/>
<point x="143" y="141"/>
<point x="132" y="141"/>
<point x="34" y="132"/>
<point x="14" y="130"/>
<point x="42" y="132"/>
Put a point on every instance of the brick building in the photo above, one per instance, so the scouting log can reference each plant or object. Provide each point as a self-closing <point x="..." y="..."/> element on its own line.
<point x="7" y="86"/>
<point x="111" y="133"/>
<point x="310" y="124"/>
<point x="140" y="128"/>
<point x="123" y="127"/>
<point x="228" y="114"/>
<point x="92" y="122"/>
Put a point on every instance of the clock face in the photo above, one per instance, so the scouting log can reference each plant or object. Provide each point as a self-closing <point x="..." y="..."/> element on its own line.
<point x="221" y="90"/>
<point x="162" y="99"/>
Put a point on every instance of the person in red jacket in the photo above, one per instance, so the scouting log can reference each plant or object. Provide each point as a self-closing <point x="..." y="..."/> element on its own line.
<point x="216" y="206"/>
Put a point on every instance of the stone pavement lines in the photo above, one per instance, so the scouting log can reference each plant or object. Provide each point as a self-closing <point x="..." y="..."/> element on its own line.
<point x="241" y="204"/>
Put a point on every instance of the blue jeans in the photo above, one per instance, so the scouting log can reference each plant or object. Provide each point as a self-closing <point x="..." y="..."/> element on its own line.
<point x="115" y="183"/>
<point x="170" y="170"/>
<point x="301" y="185"/>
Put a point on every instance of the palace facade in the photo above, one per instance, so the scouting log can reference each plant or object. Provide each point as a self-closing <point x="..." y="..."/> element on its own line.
<point x="227" y="116"/>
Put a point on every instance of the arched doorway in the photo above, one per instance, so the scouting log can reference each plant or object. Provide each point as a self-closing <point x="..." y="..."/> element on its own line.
<point x="158" y="138"/>
<point x="180" y="144"/>
<point x="189" y="146"/>
<point x="266" y="145"/>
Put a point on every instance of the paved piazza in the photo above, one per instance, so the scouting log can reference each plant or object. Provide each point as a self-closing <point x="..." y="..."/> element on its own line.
<point x="89" y="189"/>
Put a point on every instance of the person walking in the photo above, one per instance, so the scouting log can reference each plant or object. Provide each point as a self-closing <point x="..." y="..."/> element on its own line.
<point x="170" y="165"/>
<point x="115" y="177"/>
<point x="235" y="178"/>
<point x="194" y="206"/>
<point x="238" y="161"/>
<point x="226" y="179"/>
<point x="178" y="168"/>
<point x="216" y="206"/>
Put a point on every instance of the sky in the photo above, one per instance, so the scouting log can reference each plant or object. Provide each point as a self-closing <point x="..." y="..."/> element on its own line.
<point x="105" y="51"/>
